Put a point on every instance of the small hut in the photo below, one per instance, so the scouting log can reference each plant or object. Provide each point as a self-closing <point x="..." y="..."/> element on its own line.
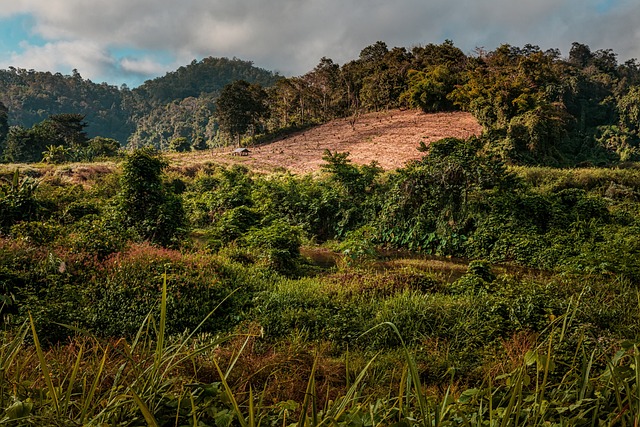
<point x="241" y="152"/>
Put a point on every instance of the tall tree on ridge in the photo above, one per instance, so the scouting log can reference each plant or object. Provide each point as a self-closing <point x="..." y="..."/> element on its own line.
<point x="240" y="108"/>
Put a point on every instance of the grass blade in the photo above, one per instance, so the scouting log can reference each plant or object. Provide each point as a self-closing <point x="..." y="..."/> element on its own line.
<point x="72" y="380"/>
<point x="309" y="393"/>
<point x="163" y="322"/>
<point x="43" y="366"/>
<point x="148" y="416"/>
<point x="230" y="395"/>
<point x="89" y="399"/>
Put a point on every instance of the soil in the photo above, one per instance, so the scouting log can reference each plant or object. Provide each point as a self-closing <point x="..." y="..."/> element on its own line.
<point x="389" y="138"/>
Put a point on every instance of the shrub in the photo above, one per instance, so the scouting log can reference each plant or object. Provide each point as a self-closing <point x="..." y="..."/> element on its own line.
<point x="17" y="200"/>
<point x="36" y="232"/>
<point x="145" y="205"/>
<point x="278" y="244"/>
<point x="477" y="280"/>
<point x="131" y="283"/>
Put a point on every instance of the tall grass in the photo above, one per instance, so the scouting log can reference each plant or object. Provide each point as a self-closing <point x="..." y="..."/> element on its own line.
<point x="130" y="382"/>
<point x="156" y="381"/>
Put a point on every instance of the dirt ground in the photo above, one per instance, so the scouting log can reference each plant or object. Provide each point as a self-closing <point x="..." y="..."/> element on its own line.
<point x="390" y="138"/>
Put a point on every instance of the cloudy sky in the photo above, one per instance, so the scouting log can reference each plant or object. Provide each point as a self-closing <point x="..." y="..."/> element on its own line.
<point x="129" y="41"/>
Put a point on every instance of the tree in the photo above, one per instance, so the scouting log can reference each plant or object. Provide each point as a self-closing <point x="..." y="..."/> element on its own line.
<point x="180" y="144"/>
<point x="4" y="127"/>
<point x="629" y="110"/>
<point x="429" y="205"/>
<point x="429" y="89"/>
<point x="25" y="145"/>
<point x="374" y="53"/>
<point x="103" y="147"/>
<point x="580" y="55"/>
<point x="59" y="130"/>
<point x="146" y="205"/>
<point x="240" y="108"/>
<point x="68" y="129"/>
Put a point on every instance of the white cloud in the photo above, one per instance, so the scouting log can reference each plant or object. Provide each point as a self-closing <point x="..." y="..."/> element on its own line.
<point x="292" y="35"/>
<point x="143" y="66"/>
<point x="88" y="57"/>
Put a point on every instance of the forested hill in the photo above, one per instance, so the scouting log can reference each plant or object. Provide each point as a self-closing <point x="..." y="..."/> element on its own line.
<point x="535" y="106"/>
<point x="32" y="96"/>
<point x="207" y="76"/>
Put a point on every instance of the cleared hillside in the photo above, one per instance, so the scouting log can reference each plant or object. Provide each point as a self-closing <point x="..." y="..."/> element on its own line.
<point x="390" y="138"/>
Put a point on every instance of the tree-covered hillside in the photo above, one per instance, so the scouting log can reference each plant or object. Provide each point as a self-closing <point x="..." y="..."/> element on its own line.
<point x="32" y="96"/>
<point x="203" y="77"/>
<point x="536" y="107"/>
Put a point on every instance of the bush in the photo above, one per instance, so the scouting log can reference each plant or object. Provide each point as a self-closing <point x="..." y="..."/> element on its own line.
<point x="130" y="288"/>
<point x="278" y="245"/>
<point x="477" y="281"/>
<point x="17" y="200"/>
<point x="145" y="204"/>
<point x="36" y="232"/>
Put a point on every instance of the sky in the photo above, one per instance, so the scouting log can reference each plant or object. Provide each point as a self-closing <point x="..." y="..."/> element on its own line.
<point x="130" y="41"/>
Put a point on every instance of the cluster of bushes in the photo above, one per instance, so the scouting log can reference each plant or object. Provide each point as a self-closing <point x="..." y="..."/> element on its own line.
<point x="58" y="139"/>
<point x="456" y="201"/>
<point x="226" y="241"/>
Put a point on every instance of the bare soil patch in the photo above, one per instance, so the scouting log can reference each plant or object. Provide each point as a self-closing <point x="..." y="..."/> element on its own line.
<point x="389" y="138"/>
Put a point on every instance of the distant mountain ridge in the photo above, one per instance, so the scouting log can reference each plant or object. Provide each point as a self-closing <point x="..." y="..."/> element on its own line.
<point x="115" y="112"/>
<point x="207" y="76"/>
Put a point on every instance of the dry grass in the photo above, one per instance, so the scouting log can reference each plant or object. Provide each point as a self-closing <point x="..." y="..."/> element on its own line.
<point x="390" y="138"/>
<point x="85" y="174"/>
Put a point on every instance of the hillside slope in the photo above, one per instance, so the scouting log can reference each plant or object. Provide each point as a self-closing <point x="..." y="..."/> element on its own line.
<point x="390" y="138"/>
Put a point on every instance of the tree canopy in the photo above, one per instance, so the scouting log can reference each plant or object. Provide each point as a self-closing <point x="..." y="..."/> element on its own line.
<point x="535" y="106"/>
<point x="240" y="108"/>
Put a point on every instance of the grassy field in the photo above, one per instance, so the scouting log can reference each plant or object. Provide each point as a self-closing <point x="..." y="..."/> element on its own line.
<point x="503" y="296"/>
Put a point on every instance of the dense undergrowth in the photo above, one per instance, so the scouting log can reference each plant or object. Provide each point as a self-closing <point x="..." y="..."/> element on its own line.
<point x="455" y="291"/>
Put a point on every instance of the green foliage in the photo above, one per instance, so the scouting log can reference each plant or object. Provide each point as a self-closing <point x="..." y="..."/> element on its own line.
<point x="478" y="280"/>
<point x="102" y="147"/>
<point x="356" y="180"/>
<point x="32" y="96"/>
<point x="24" y="145"/>
<point x="240" y="108"/>
<point x="190" y="118"/>
<point x="234" y="223"/>
<point x="537" y="135"/>
<point x="278" y="244"/>
<point x="54" y="140"/>
<point x="4" y="127"/>
<point x="629" y="110"/>
<point x="180" y="145"/>
<point x="616" y="140"/>
<point x="536" y="106"/>
<point x="17" y="200"/>
<point x="196" y="286"/>
<point x="55" y="154"/>
<point x="357" y="246"/>
<point x="214" y="193"/>
<point x="36" y="232"/>
<point x="315" y="205"/>
<point x="355" y="184"/>
<point x="428" y="205"/>
<point x="429" y="89"/>
<point x="96" y="236"/>
<point x="145" y="205"/>
<point x="209" y="75"/>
